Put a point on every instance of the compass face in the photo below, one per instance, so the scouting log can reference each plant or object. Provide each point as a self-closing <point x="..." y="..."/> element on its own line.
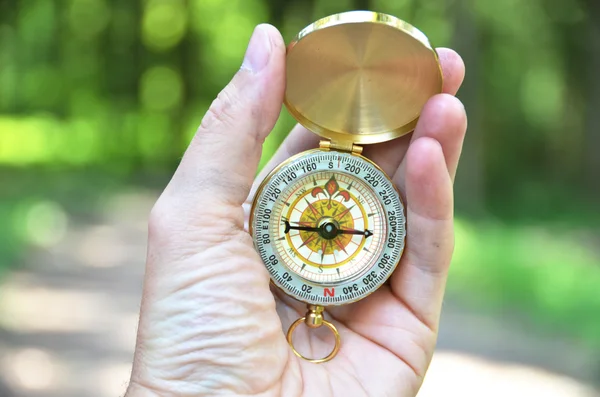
<point x="329" y="226"/>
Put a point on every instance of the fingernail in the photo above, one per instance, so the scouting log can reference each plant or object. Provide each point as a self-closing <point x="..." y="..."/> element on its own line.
<point x="259" y="50"/>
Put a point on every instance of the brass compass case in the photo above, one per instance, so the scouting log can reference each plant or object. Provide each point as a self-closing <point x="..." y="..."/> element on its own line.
<point x="328" y="223"/>
<point x="360" y="77"/>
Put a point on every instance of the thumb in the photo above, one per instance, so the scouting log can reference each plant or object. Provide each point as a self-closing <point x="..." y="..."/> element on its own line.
<point x="194" y="315"/>
<point x="221" y="161"/>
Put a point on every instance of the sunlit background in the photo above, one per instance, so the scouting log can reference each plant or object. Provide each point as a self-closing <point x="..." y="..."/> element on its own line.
<point x="99" y="98"/>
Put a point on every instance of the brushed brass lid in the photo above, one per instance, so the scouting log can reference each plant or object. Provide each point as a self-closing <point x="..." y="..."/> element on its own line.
<point x="360" y="77"/>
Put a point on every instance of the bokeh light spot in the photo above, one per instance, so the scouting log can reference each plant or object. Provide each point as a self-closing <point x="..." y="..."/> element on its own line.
<point x="542" y="96"/>
<point x="164" y="24"/>
<point x="88" y="18"/>
<point x="33" y="369"/>
<point x="223" y="52"/>
<point x="46" y="224"/>
<point x="83" y="143"/>
<point x="155" y="131"/>
<point x="161" y="88"/>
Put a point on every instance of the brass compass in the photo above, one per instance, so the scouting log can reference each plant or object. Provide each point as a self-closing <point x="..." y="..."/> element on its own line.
<point x="328" y="223"/>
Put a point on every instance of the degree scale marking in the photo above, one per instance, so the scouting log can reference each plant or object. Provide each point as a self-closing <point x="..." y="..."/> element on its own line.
<point x="292" y="191"/>
<point x="399" y="229"/>
<point x="298" y="167"/>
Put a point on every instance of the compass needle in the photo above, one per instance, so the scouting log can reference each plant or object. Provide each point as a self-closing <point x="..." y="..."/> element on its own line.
<point x="303" y="223"/>
<point x="366" y="233"/>
<point x="343" y="220"/>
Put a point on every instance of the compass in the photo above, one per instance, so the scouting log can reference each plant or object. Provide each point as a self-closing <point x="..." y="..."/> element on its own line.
<point x="328" y="223"/>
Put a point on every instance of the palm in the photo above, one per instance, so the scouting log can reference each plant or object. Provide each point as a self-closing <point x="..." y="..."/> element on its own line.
<point x="370" y="362"/>
<point x="387" y="344"/>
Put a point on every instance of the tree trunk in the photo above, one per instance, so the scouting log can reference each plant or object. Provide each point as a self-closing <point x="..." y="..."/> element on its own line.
<point x="592" y="116"/>
<point x="470" y="189"/>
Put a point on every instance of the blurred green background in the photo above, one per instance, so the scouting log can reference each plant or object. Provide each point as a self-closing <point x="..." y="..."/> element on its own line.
<point x="97" y="96"/>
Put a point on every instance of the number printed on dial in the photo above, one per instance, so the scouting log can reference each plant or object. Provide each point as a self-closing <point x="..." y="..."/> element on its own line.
<point x="329" y="226"/>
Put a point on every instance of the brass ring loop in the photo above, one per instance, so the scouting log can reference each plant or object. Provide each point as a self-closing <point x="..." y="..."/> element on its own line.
<point x="331" y="355"/>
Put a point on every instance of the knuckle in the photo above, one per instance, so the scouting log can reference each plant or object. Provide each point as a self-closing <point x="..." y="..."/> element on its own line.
<point x="221" y="111"/>
<point x="217" y="186"/>
<point x="228" y="109"/>
<point x="451" y="103"/>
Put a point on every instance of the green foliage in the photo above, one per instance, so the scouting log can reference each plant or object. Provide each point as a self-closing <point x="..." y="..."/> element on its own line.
<point x="120" y="87"/>
<point x="544" y="272"/>
<point x="144" y="71"/>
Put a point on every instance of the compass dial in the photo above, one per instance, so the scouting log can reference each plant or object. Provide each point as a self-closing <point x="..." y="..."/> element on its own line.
<point x="329" y="226"/>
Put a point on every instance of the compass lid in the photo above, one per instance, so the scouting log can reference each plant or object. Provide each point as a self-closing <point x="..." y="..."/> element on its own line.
<point x="360" y="77"/>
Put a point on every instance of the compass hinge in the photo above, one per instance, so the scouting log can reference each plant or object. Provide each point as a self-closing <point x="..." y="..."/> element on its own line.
<point x="341" y="146"/>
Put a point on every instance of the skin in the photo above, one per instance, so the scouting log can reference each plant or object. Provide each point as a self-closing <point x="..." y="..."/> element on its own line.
<point x="210" y="325"/>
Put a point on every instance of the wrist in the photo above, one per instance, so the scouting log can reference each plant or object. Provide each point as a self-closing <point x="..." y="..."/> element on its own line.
<point x="147" y="385"/>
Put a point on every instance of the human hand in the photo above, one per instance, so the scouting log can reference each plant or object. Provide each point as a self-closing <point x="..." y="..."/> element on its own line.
<point x="210" y="324"/>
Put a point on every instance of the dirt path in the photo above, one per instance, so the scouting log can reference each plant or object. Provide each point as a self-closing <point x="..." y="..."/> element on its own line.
<point x="68" y="320"/>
